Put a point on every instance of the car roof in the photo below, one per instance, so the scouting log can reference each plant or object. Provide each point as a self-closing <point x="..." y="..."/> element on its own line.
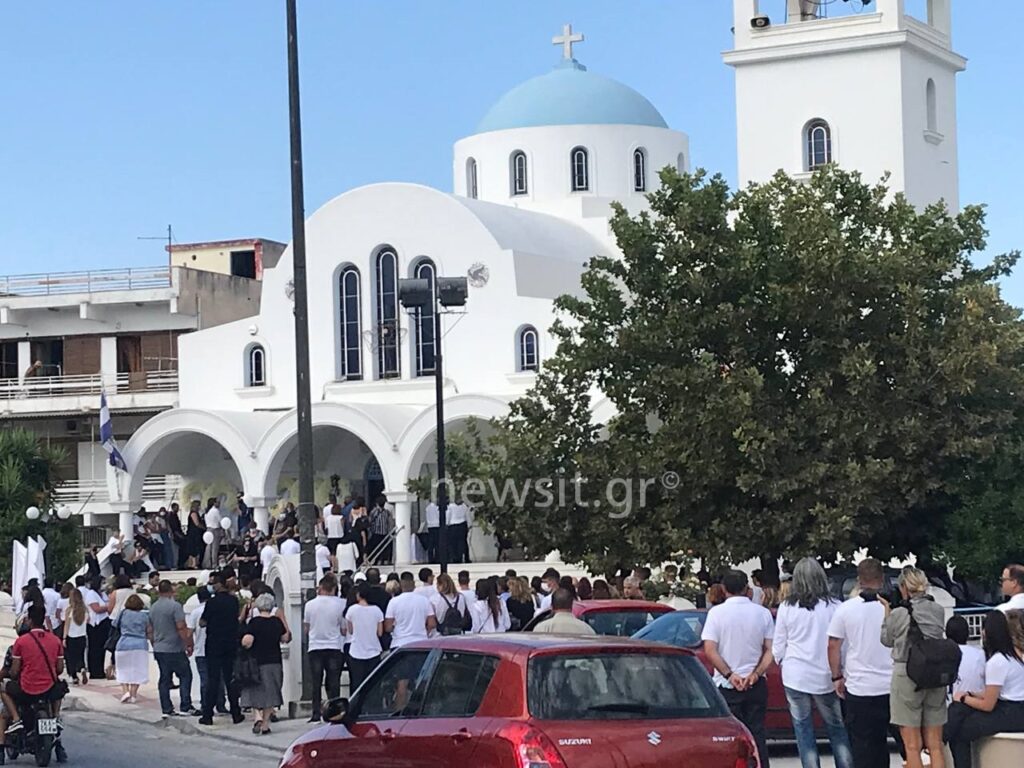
<point x="583" y="606"/>
<point x="511" y="643"/>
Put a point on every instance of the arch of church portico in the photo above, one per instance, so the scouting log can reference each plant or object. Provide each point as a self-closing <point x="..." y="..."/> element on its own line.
<point x="198" y="445"/>
<point x="342" y="434"/>
<point x="419" y="440"/>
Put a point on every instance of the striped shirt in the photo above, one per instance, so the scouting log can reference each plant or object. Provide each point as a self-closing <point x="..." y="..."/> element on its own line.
<point x="381" y="521"/>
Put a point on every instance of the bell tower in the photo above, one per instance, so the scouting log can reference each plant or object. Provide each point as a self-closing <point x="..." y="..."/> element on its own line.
<point x="873" y="90"/>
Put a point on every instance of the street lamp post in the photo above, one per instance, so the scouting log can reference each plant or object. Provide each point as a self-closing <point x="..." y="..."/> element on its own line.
<point x="418" y="293"/>
<point x="306" y="510"/>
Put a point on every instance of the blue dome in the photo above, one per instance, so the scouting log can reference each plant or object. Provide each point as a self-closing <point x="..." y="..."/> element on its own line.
<point x="570" y="95"/>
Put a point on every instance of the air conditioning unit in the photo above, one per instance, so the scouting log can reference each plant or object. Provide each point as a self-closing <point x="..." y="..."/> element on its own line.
<point x="760" y="22"/>
<point x="71" y="426"/>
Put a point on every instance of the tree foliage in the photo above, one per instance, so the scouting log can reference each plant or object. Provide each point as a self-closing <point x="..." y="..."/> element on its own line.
<point x="27" y="478"/>
<point x="818" y="365"/>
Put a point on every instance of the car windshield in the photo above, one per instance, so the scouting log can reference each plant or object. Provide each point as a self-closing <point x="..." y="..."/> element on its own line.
<point x="620" y="686"/>
<point x="623" y="623"/>
<point x="679" y="628"/>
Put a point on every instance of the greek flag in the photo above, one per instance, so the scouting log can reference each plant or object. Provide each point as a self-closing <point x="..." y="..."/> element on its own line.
<point x="107" y="435"/>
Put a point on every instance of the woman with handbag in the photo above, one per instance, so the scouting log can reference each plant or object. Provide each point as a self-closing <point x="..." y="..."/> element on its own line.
<point x="262" y="638"/>
<point x="132" y="651"/>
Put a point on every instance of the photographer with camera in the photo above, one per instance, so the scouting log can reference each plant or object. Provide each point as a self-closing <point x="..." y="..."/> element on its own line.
<point x="865" y="679"/>
<point x="917" y="705"/>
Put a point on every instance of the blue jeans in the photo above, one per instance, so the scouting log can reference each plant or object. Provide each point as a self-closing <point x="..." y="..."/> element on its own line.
<point x="221" y="703"/>
<point x="803" y="726"/>
<point x="176" y="664"/>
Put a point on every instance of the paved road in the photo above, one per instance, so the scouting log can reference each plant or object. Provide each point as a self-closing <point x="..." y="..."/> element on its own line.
<point x="97" y="740"/>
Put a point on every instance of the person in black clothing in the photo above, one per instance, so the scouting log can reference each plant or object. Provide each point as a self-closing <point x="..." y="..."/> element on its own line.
<point x="379" y="597"/>
<point x="247" y="553"/>
<point x="177" y="535"/>
<point x="220" y="617"/>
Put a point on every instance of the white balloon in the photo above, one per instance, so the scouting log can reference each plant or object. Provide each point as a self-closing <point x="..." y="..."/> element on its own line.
<point x="32" y="513"/>
<point x="225" y="523"/>
<point x="208" y="537"/>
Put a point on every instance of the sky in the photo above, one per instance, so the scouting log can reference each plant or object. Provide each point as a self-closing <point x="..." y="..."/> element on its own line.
<point x="119" y="118"/>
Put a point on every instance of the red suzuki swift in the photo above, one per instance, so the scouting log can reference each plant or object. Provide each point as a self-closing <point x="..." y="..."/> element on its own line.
<point x="530" y="701"/>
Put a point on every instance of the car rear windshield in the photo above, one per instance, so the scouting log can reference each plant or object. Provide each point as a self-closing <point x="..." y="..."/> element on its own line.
<point x="620" y="686"/>
<point x="619" y="623"/>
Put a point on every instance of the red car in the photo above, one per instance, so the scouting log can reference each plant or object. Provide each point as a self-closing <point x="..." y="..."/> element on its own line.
<point x="521" y="700"/>
<point x="612" y="618"/>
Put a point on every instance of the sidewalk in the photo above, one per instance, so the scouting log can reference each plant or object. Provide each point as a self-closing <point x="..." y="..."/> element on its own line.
<point x="103" y="697"/>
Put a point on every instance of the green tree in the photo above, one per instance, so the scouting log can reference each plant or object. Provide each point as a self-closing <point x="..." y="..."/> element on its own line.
<point x="817" y="365"/>
<point x="28" y="477"/>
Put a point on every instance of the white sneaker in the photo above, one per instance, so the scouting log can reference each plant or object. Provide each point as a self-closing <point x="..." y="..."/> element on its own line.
<point x="126" y="698"/>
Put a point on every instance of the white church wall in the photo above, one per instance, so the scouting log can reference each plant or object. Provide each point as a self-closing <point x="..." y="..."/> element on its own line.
<point x="776" y="99"/>
<point x="930" y="154"/>
<point x="479" y="346"/>
<point x="548" y="149"/>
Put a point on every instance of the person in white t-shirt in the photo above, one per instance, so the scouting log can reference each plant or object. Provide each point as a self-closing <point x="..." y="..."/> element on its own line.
<point x="1012" y="583"/>
<point x="999" y="708"/>
<point x="864" y="678"/>
<point x="457" y="520"/>
<point x="489" y="612"/>
<point x="323" y="559"/>
<point x="197" y="632"/>
<point x="799" y="645"/>
<point x="971" y="675"/>
<point x="99" y="628"/>
<point x="267" y="552"/>
<point x="334" y="524"/>
<point x="447" y="598"/>
<point x="426" y="587"/>
<point x="325" y="625"/>
<point x="409" y="616"/>
<point x="433" y="520"/>
<point x="737" y="639"/>
<point x="51" y="598"/>
<point x="290" y="547"/>
<point x="464" y="589"/>
<point x="365" y="628"/>
<point x="212" y="517"/>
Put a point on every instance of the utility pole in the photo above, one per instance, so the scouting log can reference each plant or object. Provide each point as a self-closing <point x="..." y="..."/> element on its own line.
<point x="306" y="510"/>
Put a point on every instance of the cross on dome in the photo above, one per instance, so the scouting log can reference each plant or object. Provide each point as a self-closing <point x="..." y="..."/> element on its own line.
<point x="566" y="39"/>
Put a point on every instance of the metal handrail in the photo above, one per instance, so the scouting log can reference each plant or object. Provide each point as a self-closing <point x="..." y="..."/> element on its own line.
<point x="89" y="384"/>
<point x="91" y="281"/>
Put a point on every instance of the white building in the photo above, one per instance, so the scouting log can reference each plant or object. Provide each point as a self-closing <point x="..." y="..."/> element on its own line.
<point x="531" y="204"/>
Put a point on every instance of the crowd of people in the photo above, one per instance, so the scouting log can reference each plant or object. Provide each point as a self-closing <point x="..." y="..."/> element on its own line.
<point x="854" y="662"/>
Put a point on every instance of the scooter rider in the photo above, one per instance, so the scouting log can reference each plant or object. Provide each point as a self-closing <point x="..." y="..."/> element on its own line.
<point x="37" y="662"/>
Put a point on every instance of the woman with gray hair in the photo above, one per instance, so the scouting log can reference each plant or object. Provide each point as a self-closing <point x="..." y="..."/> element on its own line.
<point x="263" y="636"/>
<point x="920" y="714"/>
<point x="799" y="647"/>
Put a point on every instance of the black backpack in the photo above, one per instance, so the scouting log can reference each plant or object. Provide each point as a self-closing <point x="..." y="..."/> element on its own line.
<point x="932" y="662"/>
<point x="453" y="621"/>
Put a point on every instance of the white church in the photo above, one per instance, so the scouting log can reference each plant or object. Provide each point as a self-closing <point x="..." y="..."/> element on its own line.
<point x="532" y="188"/>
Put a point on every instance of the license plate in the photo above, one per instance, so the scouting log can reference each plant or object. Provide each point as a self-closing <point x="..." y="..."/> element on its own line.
<point x="47" y="727"/>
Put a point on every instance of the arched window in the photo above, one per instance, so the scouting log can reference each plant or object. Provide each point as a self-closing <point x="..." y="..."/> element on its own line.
<point x="681" y="163"/>
<point x="424" y="341"/>
<point x="472" y="190"/>
<point x="517" y="173"/>
<point x="350" y="360"/>
<point x="387" y="331"/>
<point x="639" y="170"/>
<point x="529" y="352"/>
<point x="818" y="137"/>
<point x="580" y="160"/>
<point x="933" y="119"/>
<point x="256" y="366"/>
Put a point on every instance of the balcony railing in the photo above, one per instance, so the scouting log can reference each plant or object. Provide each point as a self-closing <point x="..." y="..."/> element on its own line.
<point x="93" y="281"/>
<point x="159" y="489"/>
<point x="89" y="384"/>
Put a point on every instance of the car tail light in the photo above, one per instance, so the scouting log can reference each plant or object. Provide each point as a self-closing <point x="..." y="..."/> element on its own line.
<point x="748" y="753"/>
<point x="531" y="747"/>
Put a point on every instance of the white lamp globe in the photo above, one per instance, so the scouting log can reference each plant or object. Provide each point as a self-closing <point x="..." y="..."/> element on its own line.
<point x="208" y="537"/>
<point x="64" y="513"/>
<point x="32" y="513"/>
